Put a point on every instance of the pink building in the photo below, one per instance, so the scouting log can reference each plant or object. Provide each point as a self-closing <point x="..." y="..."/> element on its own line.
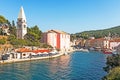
<point x="57" y="39"/>
<point x="50" y="38"/>
<point x="114" y="43"/>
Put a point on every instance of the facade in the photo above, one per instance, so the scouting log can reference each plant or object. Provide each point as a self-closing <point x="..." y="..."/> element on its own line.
<point x="118" y="49"/>
<point x="114" y="43"/>
<point x="23" y="53"/>
<point x="50" y="38"/>
<point x="96" y="43"/>
<point x="21" y="24"/>
<point x="5" y="29"/>
<point x="57" y="39"/>
<point x="103" y="43"/>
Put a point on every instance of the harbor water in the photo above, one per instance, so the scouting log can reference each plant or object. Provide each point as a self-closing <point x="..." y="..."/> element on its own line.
<point x="74" y="66"/>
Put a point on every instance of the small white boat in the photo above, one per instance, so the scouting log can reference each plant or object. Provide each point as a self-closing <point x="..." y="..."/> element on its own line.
<point x="83" y="50"/>
<point x="54" y="51"/>
<point x="114" y="52"/>
<point x="91" y="49"/>
<point x="65" y="53"/>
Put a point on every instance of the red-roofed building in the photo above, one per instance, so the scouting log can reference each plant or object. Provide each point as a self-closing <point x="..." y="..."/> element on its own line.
<point x="103" y="43"/>
<point x="57" y="39"/>
<point x="25" y="52"/>
<point x="97" y="43"/>
<point x="22" y="53"/>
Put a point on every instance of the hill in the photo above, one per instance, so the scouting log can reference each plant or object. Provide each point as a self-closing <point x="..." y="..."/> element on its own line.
<point x="114" y="31"/>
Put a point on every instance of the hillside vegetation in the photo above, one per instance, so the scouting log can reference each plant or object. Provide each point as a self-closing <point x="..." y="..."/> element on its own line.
<point x="32" y="38"/>
<point x="114" y="74"/>
<point x="114" y="31"/>
<point x="2" y="19"/>
<point x="112" y="67"/>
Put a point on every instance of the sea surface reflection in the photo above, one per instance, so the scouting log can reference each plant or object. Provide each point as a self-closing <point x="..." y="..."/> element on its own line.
<point x="75" y="66"/>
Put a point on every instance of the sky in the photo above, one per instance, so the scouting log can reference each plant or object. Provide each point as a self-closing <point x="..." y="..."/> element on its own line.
<point x="71" y="16"/>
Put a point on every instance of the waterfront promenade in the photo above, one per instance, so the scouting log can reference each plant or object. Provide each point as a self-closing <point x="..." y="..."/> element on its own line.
<point x="31" y="59"/>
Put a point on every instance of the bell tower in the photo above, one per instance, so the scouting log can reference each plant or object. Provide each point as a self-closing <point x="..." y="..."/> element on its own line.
<point x="21" y="24"/>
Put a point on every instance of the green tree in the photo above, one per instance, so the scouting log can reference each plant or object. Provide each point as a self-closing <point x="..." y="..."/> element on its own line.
<point x="2" y="19"/>
<point x="72" y="37"/>
<point x="8" y="22"/>
<point x="34" y="34"/>
<point x="12" y="30"/>
<point x="11" y="37"/>
<point x="18" y="42"/>
<point x="13" y="23"/>
<point x="112" y="67"/>
<point x="2" y="41"/>
<point x="35" y="30"/>
<point x="114" y="74"/>
<point x="44" y="45"/>
<point x="113" y="61"/>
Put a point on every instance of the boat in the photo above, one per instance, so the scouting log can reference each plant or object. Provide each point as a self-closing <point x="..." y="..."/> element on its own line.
<point x="83" y="50"/>
<point x="114" y="52"/>
<point x="108" y="51"/>
<point x="54" y="51"/>
<point x="92" y="49"/>
<point x="65" y="53"/>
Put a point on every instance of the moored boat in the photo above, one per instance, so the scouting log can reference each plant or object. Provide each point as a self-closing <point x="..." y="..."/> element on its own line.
<point x="83" y="50"/>
<point x="65" y="53"/>
<point x="107" y="51"/>
<point x="114" y="52"/>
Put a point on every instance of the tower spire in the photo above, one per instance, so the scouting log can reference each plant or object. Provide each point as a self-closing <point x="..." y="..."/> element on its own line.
<point x="22" y="14"/>
<point x="21" y="24"/>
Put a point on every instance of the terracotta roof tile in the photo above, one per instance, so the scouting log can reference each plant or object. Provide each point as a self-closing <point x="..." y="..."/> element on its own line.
<point x="23" y="50"/>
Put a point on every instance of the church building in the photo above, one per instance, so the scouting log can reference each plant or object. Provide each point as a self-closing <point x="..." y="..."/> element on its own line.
<point x="21" y="24"/>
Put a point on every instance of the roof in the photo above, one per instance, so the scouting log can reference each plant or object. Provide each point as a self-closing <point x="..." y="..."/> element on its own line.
<point x="22" y="14"/>
<point x="44" y="50"/>
<point x="35" y="51"/>
<point x="4" y="26"/>
<point x="57" y="31"/>
<point x="99" y="39"/>
<point x="115" y="40"/>
<point x="23" y="50"/>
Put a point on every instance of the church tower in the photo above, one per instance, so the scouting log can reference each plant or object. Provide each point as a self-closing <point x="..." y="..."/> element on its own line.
<point x="21" y="24"/>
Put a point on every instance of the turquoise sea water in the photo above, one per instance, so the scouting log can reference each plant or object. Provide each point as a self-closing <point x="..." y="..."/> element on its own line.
<point x="75" y="66"/>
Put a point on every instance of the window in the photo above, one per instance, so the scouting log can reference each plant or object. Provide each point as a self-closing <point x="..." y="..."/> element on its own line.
<point x="67" y="36"/>
<point x="20" y="20"/>
<point x="24" y="54"/>
<point x="24" y="26"/>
